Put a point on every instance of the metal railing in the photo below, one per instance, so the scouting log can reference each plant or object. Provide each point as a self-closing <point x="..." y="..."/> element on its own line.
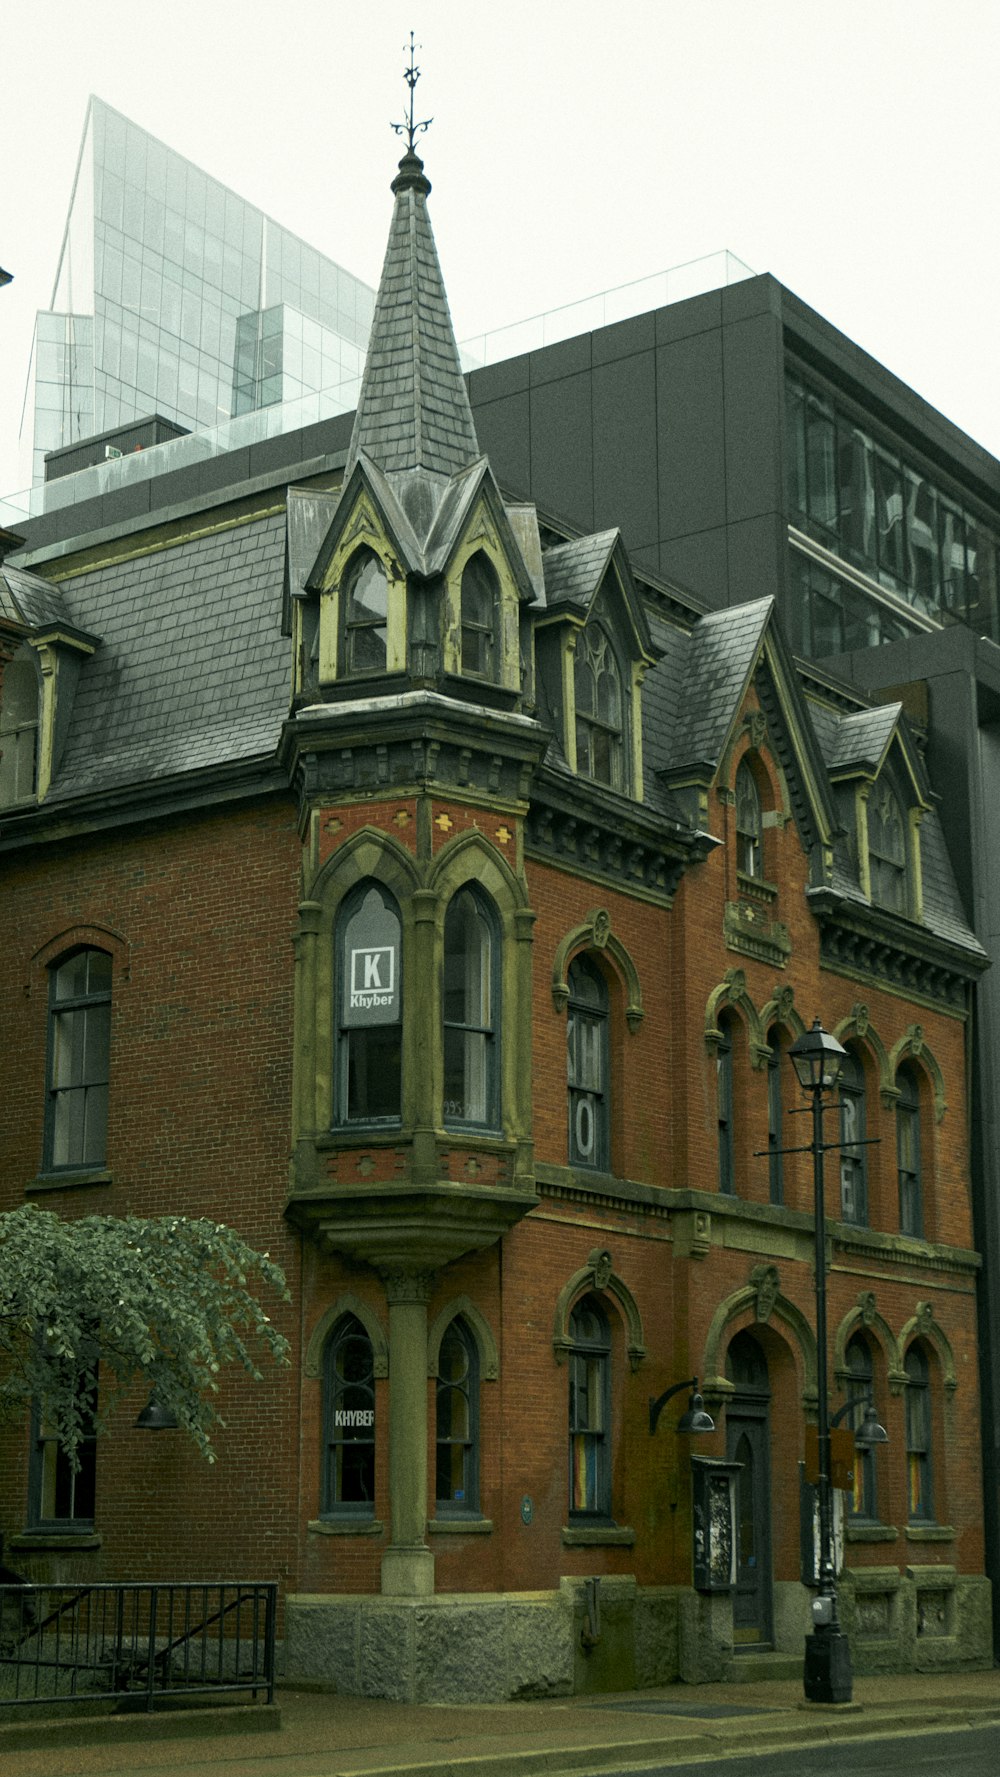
<point x="139" y="1644"/>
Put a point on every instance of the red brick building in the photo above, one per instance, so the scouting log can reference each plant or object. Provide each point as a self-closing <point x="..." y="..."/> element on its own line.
<point x="441" y="897"/>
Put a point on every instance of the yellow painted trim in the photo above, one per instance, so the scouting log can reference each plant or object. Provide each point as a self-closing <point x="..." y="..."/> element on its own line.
<point x="481" y="535"/>
<point x="861" y="831"/>
<point x="638" y="675"/>
<point x="362" y="531"/>
<point x="569" y="697"/>
<point x="916" y="875"/>
<point x="153" y="544"/>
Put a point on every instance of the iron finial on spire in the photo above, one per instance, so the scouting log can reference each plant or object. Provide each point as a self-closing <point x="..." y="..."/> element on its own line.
<point x="410" y="129"/>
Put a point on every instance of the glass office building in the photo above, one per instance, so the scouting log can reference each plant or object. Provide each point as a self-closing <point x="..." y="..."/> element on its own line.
<point x="174" y="296"/>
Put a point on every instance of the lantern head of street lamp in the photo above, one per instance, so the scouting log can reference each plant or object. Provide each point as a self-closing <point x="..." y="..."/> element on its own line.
<point x="695" y="1419"/>
<point x="870" y="1432"/>
<point x="155" y="1417"/>
<point x="817" y="1059"/>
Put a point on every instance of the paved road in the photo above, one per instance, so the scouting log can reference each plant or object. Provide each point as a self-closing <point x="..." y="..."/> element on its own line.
<point x="974" y="1752"/>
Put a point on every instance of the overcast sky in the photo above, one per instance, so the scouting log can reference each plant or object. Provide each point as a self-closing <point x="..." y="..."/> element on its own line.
<point x="850" y="148"/>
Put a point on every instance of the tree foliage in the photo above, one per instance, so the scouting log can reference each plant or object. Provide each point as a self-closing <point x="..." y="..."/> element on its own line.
<point x="89" y="1307"/>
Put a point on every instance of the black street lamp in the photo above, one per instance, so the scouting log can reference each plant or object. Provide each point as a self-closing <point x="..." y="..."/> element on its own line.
<point x="817" y="1059"/>
<point x="693" y="1420"/>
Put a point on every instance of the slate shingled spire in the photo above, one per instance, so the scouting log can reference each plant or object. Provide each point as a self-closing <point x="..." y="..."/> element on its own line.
<point x="414" y="409"/>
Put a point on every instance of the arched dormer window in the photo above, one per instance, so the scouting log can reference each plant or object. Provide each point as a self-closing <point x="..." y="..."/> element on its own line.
<point x="480" y="605"/>
<point x="19" y="728"/>
<point x="368" y="1078"/>
<point x="749" y="823"/>
<point x="911" y="1217"/>
<point x="364" y="608"/>
<point x="887" y="848"/>
<point x="587" y="1065"/>
<point x="600" y="750"/>
<point x="470" y="1012"/>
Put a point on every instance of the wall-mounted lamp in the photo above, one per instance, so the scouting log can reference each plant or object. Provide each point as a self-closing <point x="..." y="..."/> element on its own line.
<point x="155" y="1417"/>
<point x="694" y="1421"/>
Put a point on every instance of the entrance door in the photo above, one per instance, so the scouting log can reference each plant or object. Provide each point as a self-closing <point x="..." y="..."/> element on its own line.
<point x="748" y="1443"/>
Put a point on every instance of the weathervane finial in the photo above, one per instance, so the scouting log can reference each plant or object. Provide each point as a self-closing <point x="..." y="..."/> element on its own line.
<point x="410" y="129"/>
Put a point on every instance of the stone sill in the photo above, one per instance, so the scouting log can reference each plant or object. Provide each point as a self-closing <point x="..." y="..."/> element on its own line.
<point x="69" y="1180"/>
<point x="871" y="1533"/>
<point x="930" y="1533"/>
<point x="613" y="1536"/>
<point x="55" y="1539"/>
<point x="346" y="1526"/>
<point x="460" y="1526"/>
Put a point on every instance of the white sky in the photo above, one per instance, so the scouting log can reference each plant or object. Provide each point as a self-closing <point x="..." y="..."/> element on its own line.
<point x="849" y="147"/>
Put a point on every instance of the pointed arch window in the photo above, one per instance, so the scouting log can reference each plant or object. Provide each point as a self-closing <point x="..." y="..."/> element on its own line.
<point x="724" y="1093"/>
<point x="911" y="1214"/>
<point x="853" y="1165"/>
<point x="587" y="1065"/>
<point x="457" y="1490"/>
<point x="76" y="1124"/>
<point x="369" y="1008"/>
<point x="19" y="728"/>
<point x="471" y="993"/>
<point x="480" y="608"/>
<point x="599" y="705"/>
<point x="775" y="1129"/>
<point x="887" y="848"/>
<point x="589" y="1412"/>
<point x="348" y="1478"/>
<point x="364" y="602"/>
<point x="917" y="1396"/>
<point x="749" y="823"/>
<point x="860" y="1390"/>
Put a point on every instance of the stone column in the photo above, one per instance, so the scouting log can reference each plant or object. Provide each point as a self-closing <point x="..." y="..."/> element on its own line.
<point x="408" y="1565"/>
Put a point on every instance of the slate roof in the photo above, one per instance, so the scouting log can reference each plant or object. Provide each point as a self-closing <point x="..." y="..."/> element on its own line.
<point x="860" y="739"/>
<point x="574" y="570"/>
<point x="26" y="598"/>
<point x="706" y="673"/>
<point x="193" y="671"/>
<point x="414" y="408"/>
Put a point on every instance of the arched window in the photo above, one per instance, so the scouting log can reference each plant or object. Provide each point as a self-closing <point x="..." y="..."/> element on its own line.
<point x="348" y="1479"/>
<point x="589" y="1412"/>
<point x="775" y="1125"/>
<point x="480" y="609"/>
<point x="470" y="1013"/>
<point x="19" y="728"/>
<point x="457" y="1491"/>
<point x="749" y="823"/>
<point x="853" y="1165"/>
<point x="364" y="605"/>
<point x="918" y="1435"/>
<point x="76" y="1123"/>
<point x="598" y="692"/>
<point x="886" y="848"/>
<point x="369" y="1008"/>
<point x="911" y="1214"/>
<point x="860" y="1389"/>
<point x="724" y="1093"/>
<point x="587" y="1065"/>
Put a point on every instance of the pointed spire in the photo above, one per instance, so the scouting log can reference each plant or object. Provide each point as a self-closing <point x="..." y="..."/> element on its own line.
<point x="414" y="410"/>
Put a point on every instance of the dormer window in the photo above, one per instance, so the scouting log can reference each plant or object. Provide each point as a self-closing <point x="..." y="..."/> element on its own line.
<point x="598" y="693"/>
<point x="480" y="604"/>
<point x="19" y="729"/>
<point x="365" y="614"/>
<point x="887" y="849"/>
<point x="749" y="824"/>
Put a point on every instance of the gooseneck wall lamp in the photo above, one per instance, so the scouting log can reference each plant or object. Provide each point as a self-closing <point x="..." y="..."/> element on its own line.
<point x="693" y="1420"/>
<point x="817" y="1059"/>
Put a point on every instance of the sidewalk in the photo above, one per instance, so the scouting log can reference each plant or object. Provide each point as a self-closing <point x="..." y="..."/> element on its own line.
<point x="314" y="1734"/>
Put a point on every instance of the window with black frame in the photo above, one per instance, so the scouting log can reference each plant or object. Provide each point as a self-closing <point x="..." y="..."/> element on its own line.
<point x="887" y="848"/>
<point x="860" y="1390"/>
<point x="364" y="606"/>
<point x="587" y="1065"/>
<point x="853" y="1162"/>
<point x="917" y="1397"/>
<point x="724" y="1098"/>
<point x="600" y="749"/>
<point x="62" y="1488"/>
<point x="348" y="1478"/>
<point x="457" y="1489"/>
<point x="76" y="1125"/>
<point x="749" y="823"/>
<point x="775" y="1117"/>
<point x="911" y="1216"/>
<point x="470" y="1006"/>
<point x="589" y="1412"/>
<point x="480" y="598"/>
<point x="369" y="1008"/>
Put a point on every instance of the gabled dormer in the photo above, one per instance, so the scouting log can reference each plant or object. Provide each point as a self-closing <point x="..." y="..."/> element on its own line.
<point x="593" y="649"/>
<point x="41" y="654"/>
<point x="883" y="796"/>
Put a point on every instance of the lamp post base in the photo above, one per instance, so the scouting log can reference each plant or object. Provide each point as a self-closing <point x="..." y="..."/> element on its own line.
<point x="827" y="1675"/>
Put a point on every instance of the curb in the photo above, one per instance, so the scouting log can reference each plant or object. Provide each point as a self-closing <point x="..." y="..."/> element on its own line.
<point x="108" y="1729"/>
